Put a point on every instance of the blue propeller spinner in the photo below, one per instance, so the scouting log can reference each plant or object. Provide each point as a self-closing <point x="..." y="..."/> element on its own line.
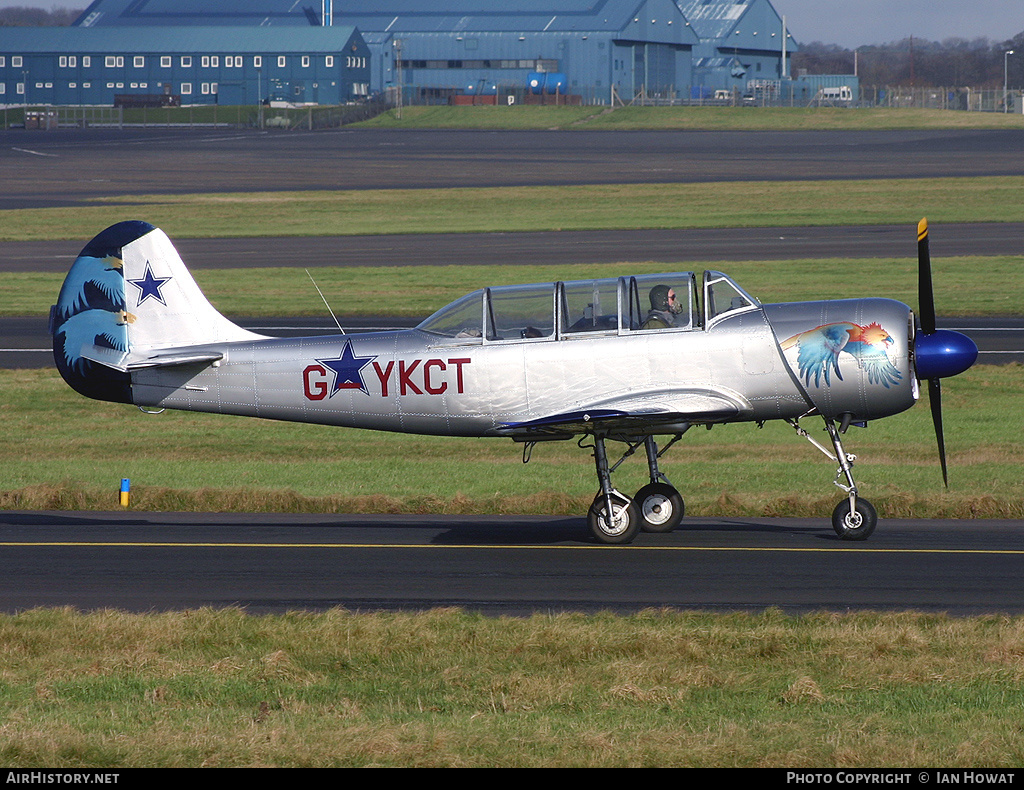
<point x="938" y="353"/>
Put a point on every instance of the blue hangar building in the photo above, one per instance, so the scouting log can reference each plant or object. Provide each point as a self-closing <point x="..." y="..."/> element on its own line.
<point x="599" y="50"/>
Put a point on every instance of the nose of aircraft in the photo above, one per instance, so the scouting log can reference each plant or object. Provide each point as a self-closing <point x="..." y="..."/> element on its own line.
<point x="943" y="353"/>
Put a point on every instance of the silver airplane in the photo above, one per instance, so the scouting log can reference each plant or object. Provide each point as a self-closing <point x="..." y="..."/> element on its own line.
<point x="624" y="359"/>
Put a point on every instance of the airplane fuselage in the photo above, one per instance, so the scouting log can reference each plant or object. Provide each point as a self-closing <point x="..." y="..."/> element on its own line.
<point x="736" y="369"/>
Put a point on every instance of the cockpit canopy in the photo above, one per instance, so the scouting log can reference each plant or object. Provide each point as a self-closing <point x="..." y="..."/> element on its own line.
<point x="613" y="305"/>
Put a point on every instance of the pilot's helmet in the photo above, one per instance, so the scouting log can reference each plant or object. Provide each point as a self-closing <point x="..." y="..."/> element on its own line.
<point x="659" y="297"/>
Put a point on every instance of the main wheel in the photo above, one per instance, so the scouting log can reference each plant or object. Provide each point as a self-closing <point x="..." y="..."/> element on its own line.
<point x="660" y="506"/>
<point x="621" y="527"/>
<point x="857" y="524"/>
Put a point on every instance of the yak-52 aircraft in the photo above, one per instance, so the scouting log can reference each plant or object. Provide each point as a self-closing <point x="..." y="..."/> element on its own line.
<point x="625" y="359"/>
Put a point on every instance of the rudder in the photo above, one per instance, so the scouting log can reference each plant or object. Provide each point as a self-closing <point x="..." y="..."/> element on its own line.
<point x="127" y="296"/>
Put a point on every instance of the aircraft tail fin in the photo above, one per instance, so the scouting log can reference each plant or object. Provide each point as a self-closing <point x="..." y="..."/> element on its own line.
<point x="127" y="302"/>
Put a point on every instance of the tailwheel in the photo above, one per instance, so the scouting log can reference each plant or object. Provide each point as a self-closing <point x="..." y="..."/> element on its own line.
<point x="855" y="523"/>
<point x="623" y="524"/>
<point x="660" y="507"/>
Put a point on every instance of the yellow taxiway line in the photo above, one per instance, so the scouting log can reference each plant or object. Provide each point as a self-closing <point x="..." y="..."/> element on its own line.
<point x="631" y="547"/>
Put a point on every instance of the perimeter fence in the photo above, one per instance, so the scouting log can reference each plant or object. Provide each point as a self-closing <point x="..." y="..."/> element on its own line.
<point x="313" y="117"/>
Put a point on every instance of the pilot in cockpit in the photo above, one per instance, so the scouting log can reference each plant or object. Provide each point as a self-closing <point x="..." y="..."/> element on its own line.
<point x="664" y="308"/>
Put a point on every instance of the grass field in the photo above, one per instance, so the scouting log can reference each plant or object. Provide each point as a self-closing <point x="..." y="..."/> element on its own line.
<point x="509" y="209"/>
<point x="452" y="689"/>
<point x="597" y="118"/>
<point x="689" y="118"/>
<point x="60" y="450"/>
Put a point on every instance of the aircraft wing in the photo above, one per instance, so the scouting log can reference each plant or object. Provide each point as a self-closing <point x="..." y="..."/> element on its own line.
<point x="634" y="414"/>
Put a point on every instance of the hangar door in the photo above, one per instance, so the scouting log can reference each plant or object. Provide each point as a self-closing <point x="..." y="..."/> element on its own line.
<point x="650" y="69"/>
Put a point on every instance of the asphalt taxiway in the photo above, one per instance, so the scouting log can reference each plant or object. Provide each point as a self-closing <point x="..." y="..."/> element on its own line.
<point x="500" y="565"/>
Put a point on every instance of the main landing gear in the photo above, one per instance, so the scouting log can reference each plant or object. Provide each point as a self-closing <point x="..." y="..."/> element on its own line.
<point x="657" y="506"/>
<point x="854" y="517"/>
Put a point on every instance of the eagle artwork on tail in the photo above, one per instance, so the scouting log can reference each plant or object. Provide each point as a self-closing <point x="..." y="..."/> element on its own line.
<point x="818" y="352"/>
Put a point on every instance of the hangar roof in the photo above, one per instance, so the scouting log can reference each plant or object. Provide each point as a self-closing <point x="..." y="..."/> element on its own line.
<point x="174" y="39"/>
<point x="380" y="15"/>
<point x="745" y="24"/>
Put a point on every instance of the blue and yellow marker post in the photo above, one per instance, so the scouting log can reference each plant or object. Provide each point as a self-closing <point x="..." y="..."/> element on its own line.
<point x="126" y="491"/>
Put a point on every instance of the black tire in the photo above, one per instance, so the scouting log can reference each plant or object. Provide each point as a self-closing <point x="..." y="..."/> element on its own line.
<point x="660" y="507"/>
<point x="857" y="524"/>
<point x="628" y="522"/>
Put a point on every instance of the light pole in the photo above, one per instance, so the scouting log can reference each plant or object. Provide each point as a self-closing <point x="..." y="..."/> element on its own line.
<point x="1006" y="96"/>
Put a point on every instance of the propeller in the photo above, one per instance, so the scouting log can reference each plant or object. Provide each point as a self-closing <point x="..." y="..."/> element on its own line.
<point x="937" y="352"/>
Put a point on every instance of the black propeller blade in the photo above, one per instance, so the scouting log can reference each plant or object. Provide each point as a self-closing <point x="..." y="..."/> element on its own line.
<point x="925" y="297"/>
<point x="926" y="312"/>
<point x="935" y="399"/>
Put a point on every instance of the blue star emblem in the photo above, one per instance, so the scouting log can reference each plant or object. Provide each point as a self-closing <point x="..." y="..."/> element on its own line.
<point x="149" y="286"/>
<point x="347" y="369"/>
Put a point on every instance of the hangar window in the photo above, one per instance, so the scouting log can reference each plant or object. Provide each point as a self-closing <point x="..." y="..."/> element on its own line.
<point x="86" y="61"/>
<point x="139" y="61"/>
<point x="186" y="61"/>
<point x="15" y="61"/>
<point x="281" y="61"/>
<point x="3" y="61"/>
<point x="72" y="61"/>
<point x="62" y="61"/>
<point x="165" y="61"/>
<point x="305" y="61"/>
<point x="186" y="88"/>
<point x="329" y="61"/>
<point x="257" y="61"/>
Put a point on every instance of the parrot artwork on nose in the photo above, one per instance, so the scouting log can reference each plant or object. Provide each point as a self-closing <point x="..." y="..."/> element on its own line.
<point x="819" y="349"/>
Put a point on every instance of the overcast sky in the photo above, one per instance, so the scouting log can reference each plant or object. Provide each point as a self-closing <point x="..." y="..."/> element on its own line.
<point x="850" y="23"/>
<point x="857" y="22"/>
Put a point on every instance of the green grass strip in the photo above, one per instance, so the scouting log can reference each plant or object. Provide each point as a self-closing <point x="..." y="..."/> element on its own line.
<point x="446" y="688"/>
<point x="60" y="450"/>
<point x="510" y="209"/>
<point x="687" y="118"/>
<point x="963" y="286"/>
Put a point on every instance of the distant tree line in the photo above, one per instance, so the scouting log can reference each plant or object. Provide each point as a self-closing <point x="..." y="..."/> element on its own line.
<point x="955" y="62"/>
<point x="22" y="16"/>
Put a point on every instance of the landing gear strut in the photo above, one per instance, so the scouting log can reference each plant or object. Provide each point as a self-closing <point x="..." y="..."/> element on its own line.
<point x="657" y="506"/>
<point x="613" y="516"/>
<point x="661" y="507"/>
<point x="854" y="518"/>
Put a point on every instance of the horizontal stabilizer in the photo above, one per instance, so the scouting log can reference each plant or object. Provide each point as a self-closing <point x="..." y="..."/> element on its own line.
<point x="124" y="362"/>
